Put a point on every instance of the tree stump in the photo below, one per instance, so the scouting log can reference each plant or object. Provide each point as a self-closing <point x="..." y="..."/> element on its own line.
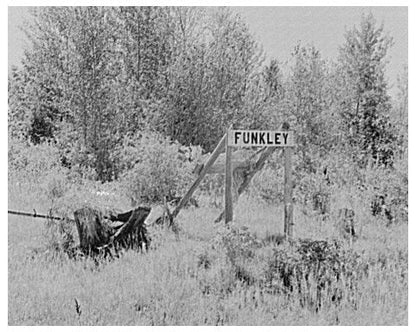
<point x="92" y="232"/>
<point x="124" y="230"/>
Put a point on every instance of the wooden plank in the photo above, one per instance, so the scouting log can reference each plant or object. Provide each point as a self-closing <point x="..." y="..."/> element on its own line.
<point x="219" y="148"/>
<point x="239" y="158"/>
<point x="228" y="185"/>
<point x="288" y="194"/>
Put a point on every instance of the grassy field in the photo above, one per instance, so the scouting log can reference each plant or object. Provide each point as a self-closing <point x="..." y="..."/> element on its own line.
<point x="209" y="274"/>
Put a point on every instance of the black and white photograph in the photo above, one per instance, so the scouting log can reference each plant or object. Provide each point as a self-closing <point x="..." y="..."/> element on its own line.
<point x="207" y="165"/>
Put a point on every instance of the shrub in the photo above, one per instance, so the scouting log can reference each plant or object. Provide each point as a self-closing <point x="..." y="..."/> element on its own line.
<point x="54" y="184"/>
<point x="312" y="270"/>
<point x="238" y="243"/>
<point x="153" y="169"/>
<point x="240" y="248"/>
<point x="392" y="186"/>
<point x="32" y="161"/>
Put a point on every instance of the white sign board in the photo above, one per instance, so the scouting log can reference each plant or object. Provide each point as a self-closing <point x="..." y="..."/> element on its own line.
<point x="260" y="138"/>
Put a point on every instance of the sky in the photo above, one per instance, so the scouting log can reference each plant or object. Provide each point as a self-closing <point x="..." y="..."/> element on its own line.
<point x="279" y="29"/>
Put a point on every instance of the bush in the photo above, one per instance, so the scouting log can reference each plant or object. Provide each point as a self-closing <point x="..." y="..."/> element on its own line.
<point x="242" y="255"/>
<point x="392" y="186"/>
<point x="153" y="168"/>
<point x="32" y="161"/>
<point x="229" y="260"/>
<point x="314" y="271"/>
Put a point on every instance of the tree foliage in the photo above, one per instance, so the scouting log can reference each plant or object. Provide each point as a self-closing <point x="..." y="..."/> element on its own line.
<point x="307" y="101"/>
<point x="95" y="77"/>
<point x="366" y="104"/>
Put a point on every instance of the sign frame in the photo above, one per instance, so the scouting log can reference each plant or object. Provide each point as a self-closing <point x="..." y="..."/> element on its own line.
<point x="260" y="138"/>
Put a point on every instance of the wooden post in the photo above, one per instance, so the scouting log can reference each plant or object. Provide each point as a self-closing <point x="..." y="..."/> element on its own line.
<point x="288" y="190"/>
<point x="219" y="148"/>
<point x="228" y="183"/>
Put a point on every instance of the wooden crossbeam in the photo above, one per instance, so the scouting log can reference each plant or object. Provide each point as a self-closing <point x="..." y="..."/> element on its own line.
<point x="219" y="148"/>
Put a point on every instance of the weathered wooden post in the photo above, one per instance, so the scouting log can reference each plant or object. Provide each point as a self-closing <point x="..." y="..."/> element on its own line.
<point x="288" y="189"/>
<point x="228" y="182"/>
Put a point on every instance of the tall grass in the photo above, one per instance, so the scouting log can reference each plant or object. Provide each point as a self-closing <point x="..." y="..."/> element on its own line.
<point x="193" y="280"/>
<point x="209" y="274"/>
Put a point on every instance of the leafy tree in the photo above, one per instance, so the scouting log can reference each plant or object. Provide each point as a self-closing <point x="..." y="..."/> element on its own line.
<point x="366" y="104"/>
<point x="307" y="103"/>
<point x="273" y="79"/>
<point x="33" y="95"/>
<point x="18" y="111"/>
<point x="210" y="76"/>
<point x="75" y="64"/>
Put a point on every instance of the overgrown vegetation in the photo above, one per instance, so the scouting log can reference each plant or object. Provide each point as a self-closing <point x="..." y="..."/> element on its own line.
<point x="91" y="86"/>
<point x="113" y="107"/>
<point x="223" y="276"/>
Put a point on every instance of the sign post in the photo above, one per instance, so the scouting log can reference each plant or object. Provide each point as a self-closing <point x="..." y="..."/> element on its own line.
<point x="264" y="138"/>
<point x="228" y="183"/>
<point x="288" y="189"/>
<point x="269" y="140"/>
<point x="288" y="194"/>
